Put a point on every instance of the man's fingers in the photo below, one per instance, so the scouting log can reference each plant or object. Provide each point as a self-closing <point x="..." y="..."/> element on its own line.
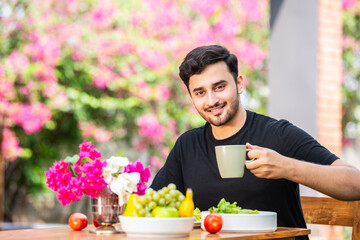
<point x="253" y="147"/>
<point x="253" y="164"/>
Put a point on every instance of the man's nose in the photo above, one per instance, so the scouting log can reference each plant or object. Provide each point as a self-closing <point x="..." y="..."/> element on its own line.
<point x="212" y="98"/>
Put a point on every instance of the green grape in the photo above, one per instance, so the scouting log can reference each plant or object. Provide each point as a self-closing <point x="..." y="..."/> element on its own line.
<point x="161" y="193"/>
<point x="151" y="205"/>
<point x="142" y="200"/>
<point x="167" y="197"/>
<point x="181" y="198"/>
<point x="172" y="186"/>
<point x="149" y="191"/>
<point x="172" y="193"/>
<point x="148" y="198"/>
<point x="177" y="204"/>
<point x="142" y="212"/>
<point x="156" y="196"/>
<point x="161" y="202"/>
<point x="138" y="206"/>
<point x="165" y="189"/>
<point x="177" y="193"/>
<point x="171" y="204"/>
<point x="148" y="214"/>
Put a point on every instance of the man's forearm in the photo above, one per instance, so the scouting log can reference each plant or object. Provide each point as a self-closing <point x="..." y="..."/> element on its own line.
<point x="340" y="181"/>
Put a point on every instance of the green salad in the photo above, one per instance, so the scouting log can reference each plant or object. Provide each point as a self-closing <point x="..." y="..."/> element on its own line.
<point x="197" y="214"/>
<point x="225" y="207"/>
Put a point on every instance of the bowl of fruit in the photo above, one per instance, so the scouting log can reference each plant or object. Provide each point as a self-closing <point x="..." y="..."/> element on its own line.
<point x="163" y="213"/>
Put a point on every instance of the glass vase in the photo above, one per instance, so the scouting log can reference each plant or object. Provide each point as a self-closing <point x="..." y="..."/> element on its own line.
<point x="106" y="210"/>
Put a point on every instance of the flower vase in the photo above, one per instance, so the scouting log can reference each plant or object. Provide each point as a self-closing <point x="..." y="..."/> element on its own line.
<point x="106" y="211"/>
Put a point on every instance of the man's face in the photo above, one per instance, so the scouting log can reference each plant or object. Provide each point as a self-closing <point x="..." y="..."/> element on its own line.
<point x="215" y="94"/>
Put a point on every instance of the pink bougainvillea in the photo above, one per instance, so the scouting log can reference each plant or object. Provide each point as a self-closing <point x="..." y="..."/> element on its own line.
<point x="144" y="175"/>
<point x="18" y="61"/>
<point x="150" y="128"/>
<point x="348" y="4"/>
<point x="31" y="117"/>
<point x="249" y="53"/>
<point x="88" y="179"/>
<point x="86" y="176"/>
<point x="89" y="129"/>
<point x="10" y="146"/>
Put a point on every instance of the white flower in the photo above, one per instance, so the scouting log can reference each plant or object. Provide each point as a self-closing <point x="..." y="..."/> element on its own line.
<point x="124" y="185"/>
<point x="114" y="165"/>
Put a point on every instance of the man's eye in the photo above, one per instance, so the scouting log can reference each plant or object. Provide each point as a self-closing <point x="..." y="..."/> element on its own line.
<point x="220" y="87"/>
<point x="199" y="93"/>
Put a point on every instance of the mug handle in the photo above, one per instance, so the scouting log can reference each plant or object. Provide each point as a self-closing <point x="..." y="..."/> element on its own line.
<point x="247" y="161"/>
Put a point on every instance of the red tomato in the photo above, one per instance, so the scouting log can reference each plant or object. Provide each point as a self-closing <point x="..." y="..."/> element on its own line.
<point x="78" y="221"/>
<point x="213" y="222"/>
<point x="96" y="224"/>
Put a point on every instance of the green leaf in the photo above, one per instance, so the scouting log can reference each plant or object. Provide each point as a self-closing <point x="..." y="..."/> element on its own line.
<point x="72" y="170"/>
<point x="85" y="159"/>
<point x="72" y="159"/>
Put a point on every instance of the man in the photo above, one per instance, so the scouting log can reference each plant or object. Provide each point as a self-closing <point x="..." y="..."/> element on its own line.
<point x="284" y="155"/>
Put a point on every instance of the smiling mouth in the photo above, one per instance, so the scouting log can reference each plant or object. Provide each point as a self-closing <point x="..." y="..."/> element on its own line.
<point x="216" y="108"/>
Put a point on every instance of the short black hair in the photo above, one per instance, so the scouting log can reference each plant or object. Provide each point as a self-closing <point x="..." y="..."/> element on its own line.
<point x="199" y="58"/>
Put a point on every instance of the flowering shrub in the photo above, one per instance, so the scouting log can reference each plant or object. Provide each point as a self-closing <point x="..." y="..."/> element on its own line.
<point x="103" y="69"/>
<point x="86" y="174"/>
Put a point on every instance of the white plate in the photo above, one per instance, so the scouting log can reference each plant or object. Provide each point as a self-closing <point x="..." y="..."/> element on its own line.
<point x="263" y="222"/>
<point x="149" y="227"/>
<point x="197" y="224"/>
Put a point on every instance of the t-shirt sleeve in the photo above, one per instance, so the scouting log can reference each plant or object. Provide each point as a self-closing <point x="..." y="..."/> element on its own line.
<point x="171" y="172"/>
<point x="298" y="144"/>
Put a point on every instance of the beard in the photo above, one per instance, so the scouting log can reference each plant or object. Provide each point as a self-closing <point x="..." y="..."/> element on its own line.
<point x="224" y="117"/>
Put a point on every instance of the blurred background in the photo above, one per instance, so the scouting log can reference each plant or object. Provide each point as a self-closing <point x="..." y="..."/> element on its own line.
<point x="106" y="71"/>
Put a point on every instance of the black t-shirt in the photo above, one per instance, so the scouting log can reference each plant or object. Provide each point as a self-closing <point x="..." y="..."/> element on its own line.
<point x="192" y="163"/>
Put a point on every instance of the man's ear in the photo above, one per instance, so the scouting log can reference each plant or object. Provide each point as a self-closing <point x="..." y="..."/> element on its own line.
<point x="240" y="84"/>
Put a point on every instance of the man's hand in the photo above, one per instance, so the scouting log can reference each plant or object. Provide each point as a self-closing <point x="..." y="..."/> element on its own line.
<point x="267" y="163"/>
<point x="339" y="180"/>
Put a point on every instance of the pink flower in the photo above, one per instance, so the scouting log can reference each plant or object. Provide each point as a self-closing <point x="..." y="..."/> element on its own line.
<point x="138" y="167"/>
<point x="89" y="129"/>
<point x="87" y="151"/>
<point x="6" y="89"/>
<point x="102" y="16"/>
<point x="348" y="4"/>
<point x="2" y="71"/>
<point x="46" y="73"/>
<point x="18" y="61"/>
<point x="151" y="129"/>
<point x="58" y="175"/>
<point x="71" y="181"/>
<point x="251" y="9"/>
<point x="153" y="58"/>
<point x="172" y="126"/>
<point x="206" y="8"/>
<point x="31" y="117"/>
<point x="163" y="92"/>
<point x="144" y="175"/>
<point x="249" y="53"/>
<point x="46" y="50"/>
<point x="206" y="36"/>
<point x="141" y="187"/>
<point x="103" y="76"/>
<point x="10" y="145"/>
<point x="94" y="182"/>
<point x="85" y="146"/>
<point x="227" y="26"/>
<point x="156" y="163"/>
